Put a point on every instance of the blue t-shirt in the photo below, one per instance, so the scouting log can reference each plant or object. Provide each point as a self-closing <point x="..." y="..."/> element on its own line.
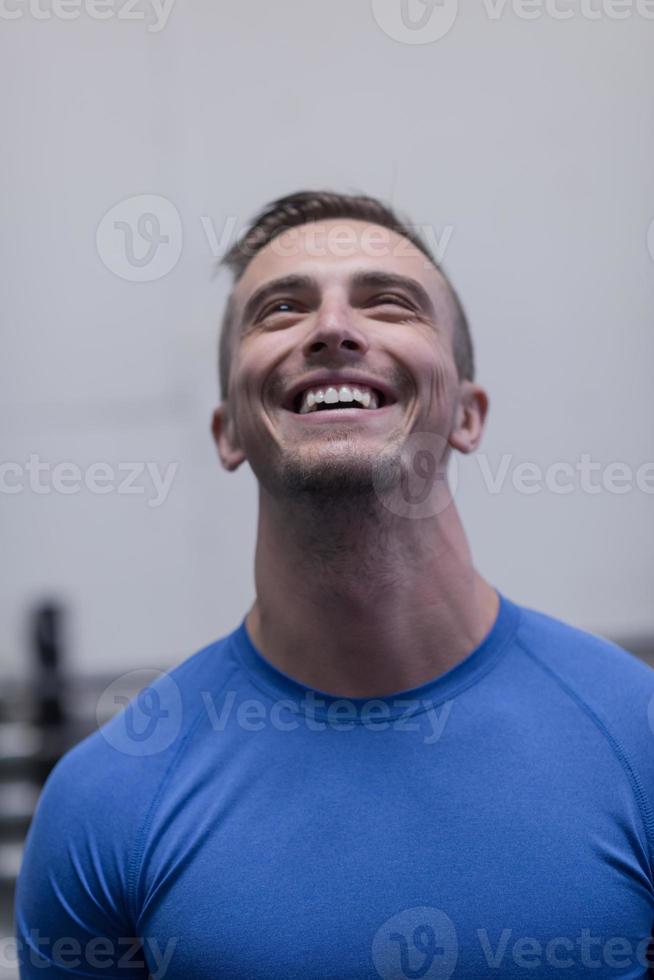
<point x="233" y="823"/>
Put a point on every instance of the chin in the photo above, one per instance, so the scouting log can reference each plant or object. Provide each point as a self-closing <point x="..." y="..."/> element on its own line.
<point x="335" y="474"/>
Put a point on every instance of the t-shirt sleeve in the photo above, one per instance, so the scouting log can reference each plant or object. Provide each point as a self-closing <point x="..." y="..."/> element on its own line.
<point x="83" y="883"/>
<point x="72" y="913"/>
<point x="614" y="690"/>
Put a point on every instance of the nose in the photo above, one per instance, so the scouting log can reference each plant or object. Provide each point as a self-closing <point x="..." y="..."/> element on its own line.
<point x="335" y="331"/>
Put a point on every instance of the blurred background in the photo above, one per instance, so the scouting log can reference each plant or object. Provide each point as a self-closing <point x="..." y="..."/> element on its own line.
<point x="139" y="139"/>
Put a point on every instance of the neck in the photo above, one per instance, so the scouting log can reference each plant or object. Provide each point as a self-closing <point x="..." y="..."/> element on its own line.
<point x="358" y="602"/>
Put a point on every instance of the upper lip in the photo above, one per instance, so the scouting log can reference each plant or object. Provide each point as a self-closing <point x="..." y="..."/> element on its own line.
<point x="350" y="378"/>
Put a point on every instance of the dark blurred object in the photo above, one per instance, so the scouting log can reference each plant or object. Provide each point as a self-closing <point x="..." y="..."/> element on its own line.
<point x="34" y="733"/>
<point x="41" y="718"/>
<point x="49" y="713"/>
<point x="49" y="657"/>
<point x="641" y="647"/>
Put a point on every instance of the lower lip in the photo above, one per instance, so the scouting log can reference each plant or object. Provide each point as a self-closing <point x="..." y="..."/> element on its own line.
<point x="345" y="414"/>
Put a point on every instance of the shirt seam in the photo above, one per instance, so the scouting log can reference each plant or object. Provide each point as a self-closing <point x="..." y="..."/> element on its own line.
<point x="401" y="696"/>
<point x="136" y="864"/>
<point x="642" y="800"/>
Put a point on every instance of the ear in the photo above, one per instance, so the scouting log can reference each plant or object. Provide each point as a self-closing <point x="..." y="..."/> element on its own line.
<point x="222" y="428"/>
<point x="470" y="416"/>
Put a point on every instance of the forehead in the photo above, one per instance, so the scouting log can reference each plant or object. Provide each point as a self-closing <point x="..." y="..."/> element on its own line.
<point x="332" y="250"/>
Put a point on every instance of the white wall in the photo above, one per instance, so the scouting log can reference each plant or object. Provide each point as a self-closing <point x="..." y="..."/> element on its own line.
<point x="531" y="140"/>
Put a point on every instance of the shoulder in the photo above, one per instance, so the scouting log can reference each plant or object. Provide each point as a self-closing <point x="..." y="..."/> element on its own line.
<point x="595" y="667"/>
<point x="130" y="752"/>
<point x="144" y="730"/>
<point x="610" y="686"/>
<point x="99" y="794"/>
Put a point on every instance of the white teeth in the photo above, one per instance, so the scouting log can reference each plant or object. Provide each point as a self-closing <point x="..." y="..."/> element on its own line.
<point x="331" y="395"/>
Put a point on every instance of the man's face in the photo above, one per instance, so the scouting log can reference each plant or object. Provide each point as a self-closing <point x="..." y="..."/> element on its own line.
<point x="337" y="309"/>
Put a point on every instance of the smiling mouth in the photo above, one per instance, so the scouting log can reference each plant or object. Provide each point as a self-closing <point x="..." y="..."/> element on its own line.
<point x="344" y="399"/>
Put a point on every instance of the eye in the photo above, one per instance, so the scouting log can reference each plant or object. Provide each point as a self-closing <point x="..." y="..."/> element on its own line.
<point x="393" y="299"/>
<point x="386" y="299"/>
<point x="274" y="307"/>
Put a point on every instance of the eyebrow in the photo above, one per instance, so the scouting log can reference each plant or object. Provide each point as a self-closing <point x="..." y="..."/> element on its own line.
<point x="364" y="279"/>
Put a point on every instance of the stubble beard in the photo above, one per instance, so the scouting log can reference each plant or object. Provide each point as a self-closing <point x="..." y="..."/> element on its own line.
<point x="338" y="472"/>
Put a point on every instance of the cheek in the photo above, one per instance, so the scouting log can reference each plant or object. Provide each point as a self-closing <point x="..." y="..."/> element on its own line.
<point x="248" y="375"/>
<point x="443" y="382"/>
<point x="253" y="393"/>
<point x="257" y="366"/>
<point x="434" y="370"/>
<point x="241" y="395"/>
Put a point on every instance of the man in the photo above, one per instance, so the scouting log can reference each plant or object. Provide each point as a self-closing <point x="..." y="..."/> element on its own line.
<point x="388" y="769"/>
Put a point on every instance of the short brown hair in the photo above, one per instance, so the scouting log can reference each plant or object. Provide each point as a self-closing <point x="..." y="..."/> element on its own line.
<point x="307" y="206"/>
